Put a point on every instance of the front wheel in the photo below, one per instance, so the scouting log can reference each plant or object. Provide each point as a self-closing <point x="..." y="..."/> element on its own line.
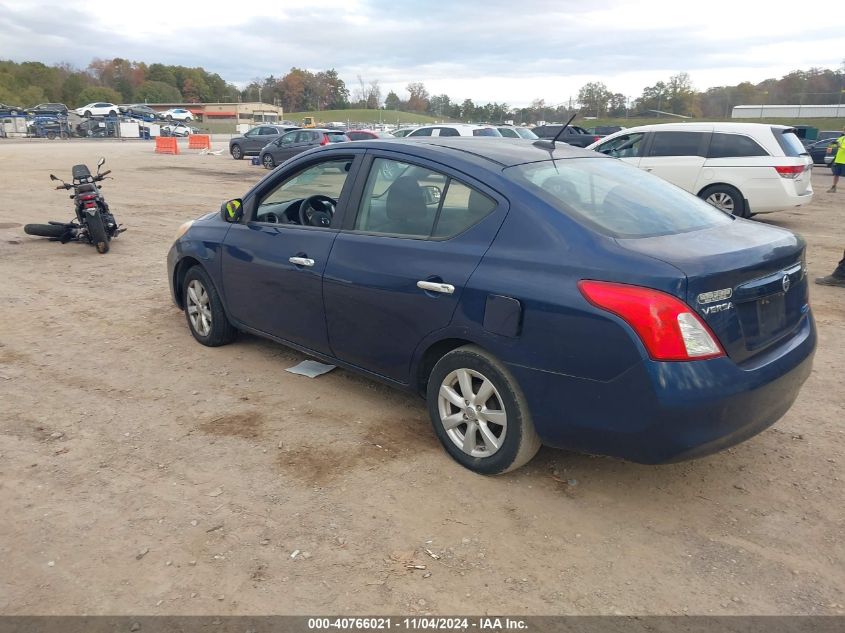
<point x="97" y="232"/>
<point x="268" y="161"/>
<point x="725" y="198"/>
<point x="55" y="231"/>
<point x="204" y="311"/>
<point x="479" y="412"/>
<point x="237" y="152"/>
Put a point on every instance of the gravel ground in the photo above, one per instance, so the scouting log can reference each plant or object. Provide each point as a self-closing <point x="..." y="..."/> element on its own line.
<point x="143" y="473"/>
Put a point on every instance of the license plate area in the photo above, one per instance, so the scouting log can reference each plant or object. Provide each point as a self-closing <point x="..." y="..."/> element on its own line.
<point x="763" y="320"/>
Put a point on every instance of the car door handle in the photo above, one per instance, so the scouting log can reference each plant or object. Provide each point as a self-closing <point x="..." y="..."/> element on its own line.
<point x="435" y="286"/>
<point x="301" y="261"/>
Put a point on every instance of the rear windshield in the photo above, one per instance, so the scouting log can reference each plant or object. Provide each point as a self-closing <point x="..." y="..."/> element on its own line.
<point x="615" y="198"/>
<point x="789" y="142"/>
<point x="485" y="131"/>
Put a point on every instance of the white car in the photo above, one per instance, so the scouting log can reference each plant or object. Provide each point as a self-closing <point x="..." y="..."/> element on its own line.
<point x="177" y="114"/>
<point x="99" y="108"/>
<point x="741" y="168"/>
<point x="454" y="129"/>
<point x="513" y="131"/>
<point x="177" y="129"/>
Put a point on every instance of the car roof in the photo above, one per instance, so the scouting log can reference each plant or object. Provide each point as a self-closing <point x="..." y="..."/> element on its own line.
<point x="505" y="152"/>
<point x="727" y="126"/>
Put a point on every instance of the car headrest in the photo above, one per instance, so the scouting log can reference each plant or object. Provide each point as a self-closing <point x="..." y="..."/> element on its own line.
<point x="405" y="200"/>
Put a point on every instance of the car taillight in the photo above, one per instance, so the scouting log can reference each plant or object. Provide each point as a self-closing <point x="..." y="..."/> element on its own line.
<point x="789" y="171"/>
<point x="325" y="140"/>
<point x="595" y="138"/>
<point x="668" y="327"/>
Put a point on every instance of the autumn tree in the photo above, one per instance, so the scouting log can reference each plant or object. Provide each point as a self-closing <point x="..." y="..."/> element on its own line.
<point x="418" y="99"/>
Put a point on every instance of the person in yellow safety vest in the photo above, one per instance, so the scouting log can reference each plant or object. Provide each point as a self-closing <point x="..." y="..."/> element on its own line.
<point x="838" y="161"/>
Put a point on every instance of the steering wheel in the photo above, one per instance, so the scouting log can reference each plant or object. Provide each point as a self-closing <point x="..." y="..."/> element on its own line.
<point x="316" y="211"/>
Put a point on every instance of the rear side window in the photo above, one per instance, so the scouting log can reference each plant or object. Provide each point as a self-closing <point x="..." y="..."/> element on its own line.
<point x="448" y="131"/>
<point x="337" y="137"/>
<point x="426" y="131"/>
<point x="789" y="142"/>
<point x="733" y="145"/>
<point x="615" y="198"/>
<point x="677" y="144"/>
<point x="508" y="132"/>
<point x="486" y="131"/>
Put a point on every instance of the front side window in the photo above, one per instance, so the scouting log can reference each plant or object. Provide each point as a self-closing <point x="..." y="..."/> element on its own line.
<point x="412" y="201"/>
<point x="318" y="185"/>
<point x="508" y="132"/>
<point x="677" y="144"/>
<point x="426" y="131"/>
<point x="448" y="131"/>
<point x="625" y="146"/>
<point x="615" y="198"/>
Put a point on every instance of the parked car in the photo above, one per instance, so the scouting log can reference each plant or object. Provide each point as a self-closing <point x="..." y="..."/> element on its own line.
<point x="741" y="168"/>
<point x="8" y="110"/>
<point x="530" y="294"/>
<point x="178" y="129"/>
<point x="96" y="127"/>
<point x="512" y="131"/>
<point x="454" y="129"/>
<point x="141" y="111"/>
<point x="819" y="150"/>
<point x="364" y="135"/>
<point x="604" y="130"/>
<point x="251" y="143"/>
<point x="177" y="114"/>
<point x="296" y="142"/>
<point x="47" y="109"/>
<point x="99" y="108"/>
<point x="572" y="135"/>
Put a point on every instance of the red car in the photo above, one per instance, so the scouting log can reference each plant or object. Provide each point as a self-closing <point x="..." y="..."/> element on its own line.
<point x="366" y="135"/>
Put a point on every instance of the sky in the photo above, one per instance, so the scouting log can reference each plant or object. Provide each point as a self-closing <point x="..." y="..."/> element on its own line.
<point x="484" y="50"/>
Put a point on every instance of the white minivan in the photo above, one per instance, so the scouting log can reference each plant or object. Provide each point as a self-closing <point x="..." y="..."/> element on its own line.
<point x="741" y="168"/>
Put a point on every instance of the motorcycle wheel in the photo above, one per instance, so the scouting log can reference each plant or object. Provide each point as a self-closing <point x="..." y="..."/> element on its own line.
<point x="45" y="230"/>
<point x="97" y="232"/>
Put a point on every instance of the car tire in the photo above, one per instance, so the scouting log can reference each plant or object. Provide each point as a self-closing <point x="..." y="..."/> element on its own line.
<point x="236" y="152"/>
<point x="112" y="113"/>
<point x="87" y="113"/>
<point x="725" y="198"/>
<point x="169" y="117"/>
<point x="204" y="311"/>
<point x="268" y="162"/>
<point x="489" y="437"/>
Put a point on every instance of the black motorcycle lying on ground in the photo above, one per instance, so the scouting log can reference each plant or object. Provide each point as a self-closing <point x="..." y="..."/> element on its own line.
<point x="94" y="222"/>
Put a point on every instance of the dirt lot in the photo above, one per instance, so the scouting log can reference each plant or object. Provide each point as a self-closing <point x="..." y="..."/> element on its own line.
<point x="143" y="473"/>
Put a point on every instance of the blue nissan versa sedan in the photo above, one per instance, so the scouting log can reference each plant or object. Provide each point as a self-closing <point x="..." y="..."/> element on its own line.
<point x="534" y="294"/>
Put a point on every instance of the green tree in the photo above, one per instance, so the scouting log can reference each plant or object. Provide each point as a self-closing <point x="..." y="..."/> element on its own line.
<point x="594" y="98"/>
<point x="392" y="101"/>
<point x="157" y="92"/>
<point x="92" y="94"/>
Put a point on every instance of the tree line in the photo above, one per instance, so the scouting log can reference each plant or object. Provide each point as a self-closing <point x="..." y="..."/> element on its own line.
<point x="121" y="81"/>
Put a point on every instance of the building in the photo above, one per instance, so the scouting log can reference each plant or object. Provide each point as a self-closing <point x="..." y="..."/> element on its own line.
<point x="253" y="111"/>
<point x="788" y="111"/>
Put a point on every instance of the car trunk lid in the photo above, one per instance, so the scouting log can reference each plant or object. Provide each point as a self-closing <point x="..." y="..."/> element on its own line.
<point x="746" y="280"/>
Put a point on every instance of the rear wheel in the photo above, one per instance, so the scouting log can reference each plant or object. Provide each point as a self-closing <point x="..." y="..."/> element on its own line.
<point x="268" y="161"/>
<point x="479" y="412"/>
<point x="45" y="230"/>
<point x="204" y="310"/>
<point x="97" y="232"/>
<point x="726" y="198"/>
<point x="237" y="152"/>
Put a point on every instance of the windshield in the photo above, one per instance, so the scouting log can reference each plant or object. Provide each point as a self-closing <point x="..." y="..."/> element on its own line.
<point x="615" y="198"/>
<point x="524" y="132"/>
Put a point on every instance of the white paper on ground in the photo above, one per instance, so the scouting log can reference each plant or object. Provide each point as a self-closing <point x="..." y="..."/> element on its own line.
<point x="310" y="368"/>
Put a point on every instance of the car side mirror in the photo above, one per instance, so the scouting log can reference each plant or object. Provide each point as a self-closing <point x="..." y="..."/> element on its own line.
<point x="232" y="210"/>
<point x="432" y="194"/>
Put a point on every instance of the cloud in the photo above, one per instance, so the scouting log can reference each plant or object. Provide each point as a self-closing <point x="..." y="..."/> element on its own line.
<point x="495" y="50"/>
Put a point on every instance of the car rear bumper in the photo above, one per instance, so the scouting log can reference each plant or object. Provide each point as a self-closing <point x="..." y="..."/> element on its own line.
<point x="766" y="196"/>
<point x="659" y="412"/>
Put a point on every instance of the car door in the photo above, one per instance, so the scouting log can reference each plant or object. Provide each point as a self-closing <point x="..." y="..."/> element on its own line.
<point x="272" y="266"/>
<point x="398" y="269"/>
<point x="676" y="156"/>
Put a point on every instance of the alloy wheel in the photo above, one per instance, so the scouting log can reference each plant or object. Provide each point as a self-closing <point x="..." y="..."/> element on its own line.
<point x="199" y="308"/>
<point x="721" y="200"/>
<point x="472" y="412"/>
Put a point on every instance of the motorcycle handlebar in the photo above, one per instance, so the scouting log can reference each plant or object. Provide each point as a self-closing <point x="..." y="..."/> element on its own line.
<point x="104" y="174"/>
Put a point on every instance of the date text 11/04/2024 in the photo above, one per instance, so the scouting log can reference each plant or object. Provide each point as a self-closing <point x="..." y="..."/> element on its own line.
<point x="418" y="623"/>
